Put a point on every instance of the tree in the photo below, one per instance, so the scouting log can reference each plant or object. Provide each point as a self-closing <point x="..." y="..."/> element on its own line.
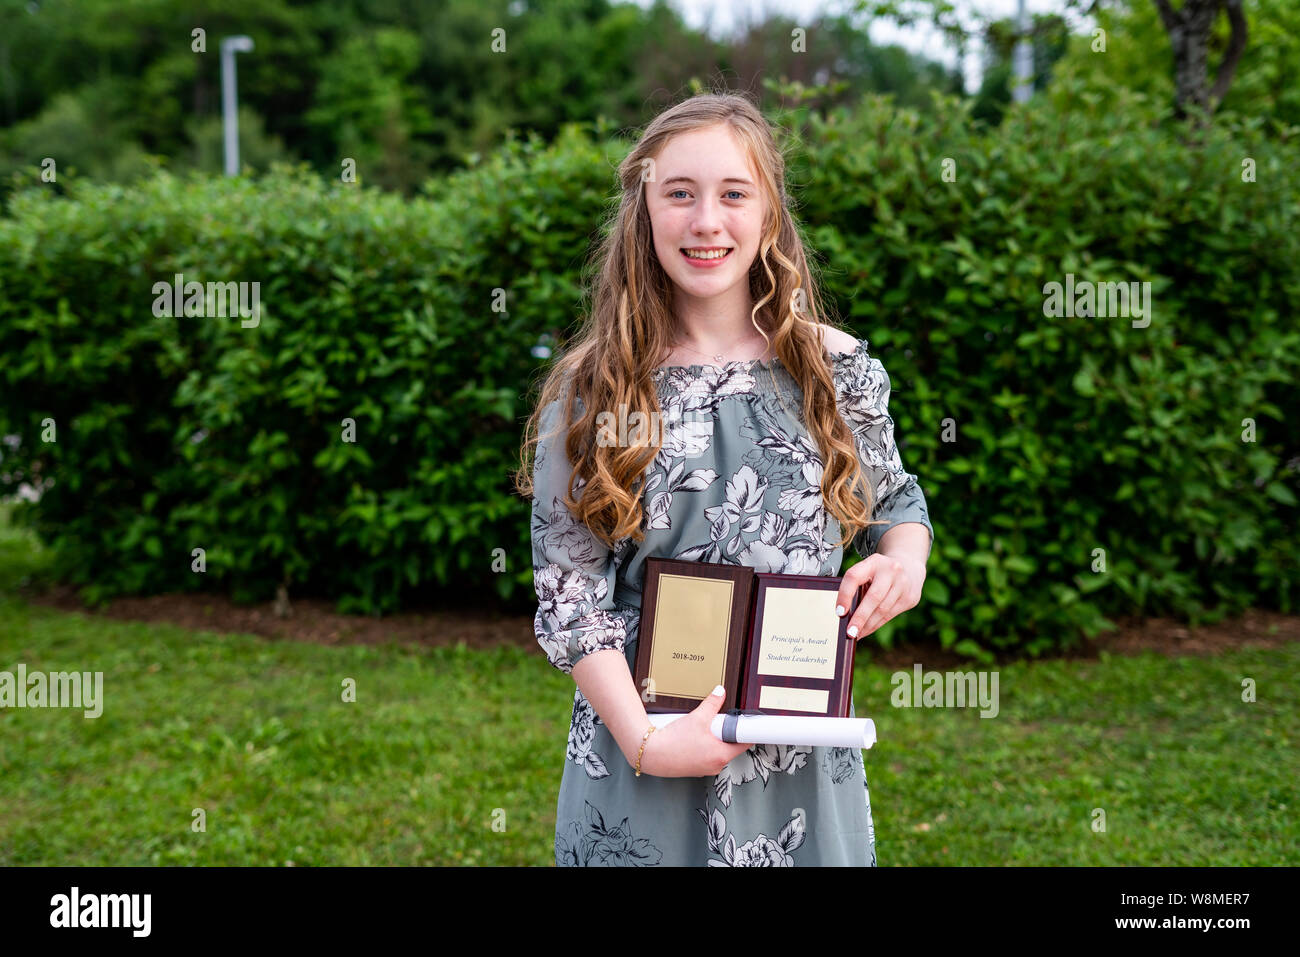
<point x="365" y="104"/>
<point x="1189" y="35"/>
<point x="1189" y="29"/>
<point x="1048" y="38"/>
<point x="1265" y="84"/>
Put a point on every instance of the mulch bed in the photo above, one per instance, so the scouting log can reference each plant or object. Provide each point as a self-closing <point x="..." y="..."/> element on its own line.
<point x="315" y="620"/>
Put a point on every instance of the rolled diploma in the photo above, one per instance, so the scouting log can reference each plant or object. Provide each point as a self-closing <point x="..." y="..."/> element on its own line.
<point x="807" y="731"/>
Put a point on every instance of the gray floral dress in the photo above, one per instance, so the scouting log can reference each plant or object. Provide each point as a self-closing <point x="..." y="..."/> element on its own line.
<point x="738" y="480"/>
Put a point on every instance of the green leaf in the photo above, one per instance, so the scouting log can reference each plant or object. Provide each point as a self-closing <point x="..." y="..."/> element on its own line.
<point x="1280" y="493"/>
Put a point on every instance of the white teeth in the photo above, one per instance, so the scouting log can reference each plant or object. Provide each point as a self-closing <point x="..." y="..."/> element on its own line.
<point x="717" y="254"/>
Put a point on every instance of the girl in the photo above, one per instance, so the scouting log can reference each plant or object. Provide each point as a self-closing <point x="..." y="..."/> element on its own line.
<point x="705" y="312"/>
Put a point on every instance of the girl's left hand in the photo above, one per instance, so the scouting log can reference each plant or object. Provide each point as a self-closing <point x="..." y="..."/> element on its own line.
<point x="895" y="587"/>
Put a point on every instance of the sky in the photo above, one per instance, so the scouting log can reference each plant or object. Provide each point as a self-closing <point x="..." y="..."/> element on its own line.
<point x="725" y="15"/>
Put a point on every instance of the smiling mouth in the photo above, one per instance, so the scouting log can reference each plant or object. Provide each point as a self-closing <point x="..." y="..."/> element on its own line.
<point x="712" y="257"/>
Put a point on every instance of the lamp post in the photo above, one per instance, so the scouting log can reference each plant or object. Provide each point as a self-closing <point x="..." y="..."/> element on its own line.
<point x="1022" y="59"/>
<point x="229" y="98"/>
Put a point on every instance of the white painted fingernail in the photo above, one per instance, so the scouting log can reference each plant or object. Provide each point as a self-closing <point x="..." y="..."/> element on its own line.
<point x="853" y="631"/>
<point x="839" y="609"/>
<point x="719" y="690"/>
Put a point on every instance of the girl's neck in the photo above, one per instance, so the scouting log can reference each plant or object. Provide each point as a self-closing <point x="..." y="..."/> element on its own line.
<point x="748" y="345"/>
<point x="720" y="324"/>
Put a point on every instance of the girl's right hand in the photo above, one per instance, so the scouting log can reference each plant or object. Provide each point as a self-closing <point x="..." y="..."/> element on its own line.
<point x="687" y="748"/>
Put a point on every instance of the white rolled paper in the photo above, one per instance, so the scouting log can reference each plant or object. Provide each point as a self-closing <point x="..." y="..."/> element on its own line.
<point x="807" y="731"/>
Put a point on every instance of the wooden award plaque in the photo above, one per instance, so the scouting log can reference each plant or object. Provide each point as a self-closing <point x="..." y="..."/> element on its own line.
<point x="694" y="617"/>
<point x="772" y="640"/>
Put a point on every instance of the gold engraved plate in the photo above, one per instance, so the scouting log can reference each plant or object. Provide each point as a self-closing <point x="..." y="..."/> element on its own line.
<point x="794" y="699"/>
<point x="799" y="634"/>
<point x="692" y="623"/>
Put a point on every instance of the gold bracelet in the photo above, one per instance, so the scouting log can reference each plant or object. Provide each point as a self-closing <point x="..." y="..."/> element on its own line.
<point x="644" y="738"/>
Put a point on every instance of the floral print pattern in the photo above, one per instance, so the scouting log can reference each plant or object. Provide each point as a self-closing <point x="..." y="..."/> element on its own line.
<point x="839" y="763"/>
<point x="582" y="731"/>
<point x="594" y="843"/>
<point x="759" y="763"/>
<point x="737" y="480"/>
<point x="761" y="851"/>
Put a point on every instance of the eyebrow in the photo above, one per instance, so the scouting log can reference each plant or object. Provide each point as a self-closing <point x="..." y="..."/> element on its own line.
<point x="687" y="179"/>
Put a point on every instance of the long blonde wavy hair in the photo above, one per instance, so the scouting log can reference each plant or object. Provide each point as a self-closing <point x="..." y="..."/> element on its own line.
<point x="630" y="330"/>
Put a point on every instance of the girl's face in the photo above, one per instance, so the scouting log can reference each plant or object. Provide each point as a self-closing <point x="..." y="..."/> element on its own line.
<point x="705" y="197"/>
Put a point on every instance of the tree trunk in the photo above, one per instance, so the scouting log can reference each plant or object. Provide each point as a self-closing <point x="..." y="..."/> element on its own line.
<point x="1189" y="36"/>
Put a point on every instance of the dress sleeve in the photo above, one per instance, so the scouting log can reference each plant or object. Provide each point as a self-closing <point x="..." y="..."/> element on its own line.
<point x="863" y="388"/>
<point x="573" y="571"/>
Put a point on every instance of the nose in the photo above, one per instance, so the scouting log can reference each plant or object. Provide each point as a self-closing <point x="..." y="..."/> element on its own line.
<point x="706" y="221"/>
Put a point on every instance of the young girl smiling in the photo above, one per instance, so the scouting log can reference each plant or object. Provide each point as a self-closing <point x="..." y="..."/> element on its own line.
<point x="776" y="434"/>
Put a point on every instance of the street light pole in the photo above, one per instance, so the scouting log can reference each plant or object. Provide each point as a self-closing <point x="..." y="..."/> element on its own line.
<point x="1022" y="59"/>
<point x="229" y="98"/>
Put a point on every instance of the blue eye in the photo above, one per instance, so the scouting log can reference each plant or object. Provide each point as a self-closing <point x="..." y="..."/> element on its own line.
<point x="728" y="193"/>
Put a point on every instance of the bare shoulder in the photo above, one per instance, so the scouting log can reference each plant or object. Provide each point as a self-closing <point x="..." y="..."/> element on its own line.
<point x="837" y="340"/>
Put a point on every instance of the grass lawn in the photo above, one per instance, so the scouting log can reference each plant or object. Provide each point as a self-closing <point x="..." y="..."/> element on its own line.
<point x="441" y="744"/>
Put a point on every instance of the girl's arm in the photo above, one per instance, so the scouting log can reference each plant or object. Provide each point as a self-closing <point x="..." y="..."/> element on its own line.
<point x="605" y="681"/>
<point x="584" y="633"/>
<point x="685" y="748"/>
<point x="910" y="543"/>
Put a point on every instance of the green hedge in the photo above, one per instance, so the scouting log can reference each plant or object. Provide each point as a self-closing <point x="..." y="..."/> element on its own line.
<point x="1071" y="434"/>
<point x="372" y="308"/>
<point x="1077" y="434"/>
